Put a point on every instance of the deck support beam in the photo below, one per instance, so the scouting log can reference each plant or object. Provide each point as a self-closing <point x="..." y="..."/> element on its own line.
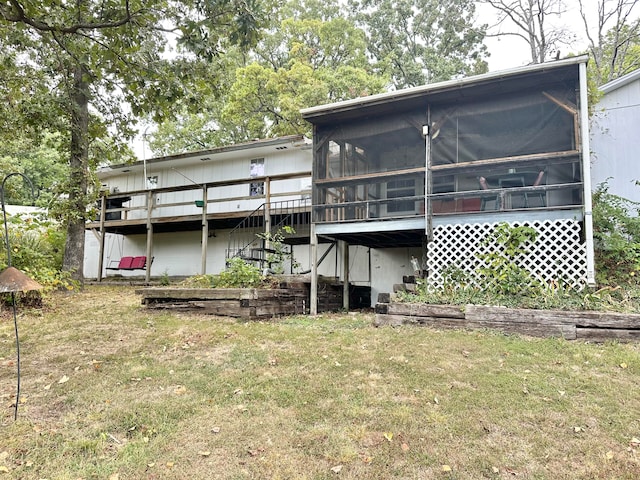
<point x="205" y="231"/>
<point x="345" y="272"/>
<point x="150" y="195"/>
<point x="313" y="291"/>
<point x="103" y="234"/>
<point x="586" y="177"/>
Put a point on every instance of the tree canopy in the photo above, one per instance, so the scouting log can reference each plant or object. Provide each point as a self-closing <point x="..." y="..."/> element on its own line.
<point x="92" y="57"/>
<point x="613" y="38"/>
<point x="319" y="52"/>
<point x="422" y="41"/>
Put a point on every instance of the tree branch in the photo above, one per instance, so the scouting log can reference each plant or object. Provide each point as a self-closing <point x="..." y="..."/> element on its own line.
<point x="18" y="15"/>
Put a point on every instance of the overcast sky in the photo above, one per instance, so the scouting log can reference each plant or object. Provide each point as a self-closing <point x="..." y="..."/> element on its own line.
<point x="511" y="51"/>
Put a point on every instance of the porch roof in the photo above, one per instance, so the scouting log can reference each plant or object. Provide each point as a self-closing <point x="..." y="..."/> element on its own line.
<point x="491" y="83"/>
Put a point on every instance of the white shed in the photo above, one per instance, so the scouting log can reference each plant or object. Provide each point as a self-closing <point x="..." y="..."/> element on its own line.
<point x="615" y="137"/>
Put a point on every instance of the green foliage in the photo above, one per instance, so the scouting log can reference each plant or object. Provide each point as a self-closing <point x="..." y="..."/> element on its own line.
<point x="501" y="280"/>
<point x="502" y="274"/>
<point x="424" y="41"/>
<point x="37" y="246"/>
<point x="616" y="233"/>
<point x="279" y="251"/>
<point x="164" y="279"/>
<point x="304" y="62"/>
<point x="239" y="274"/>
<point x="89" y="58"/>
<point x="199" y="281"/>
<point x="41" y="161"/>
<point x="616" y="51"/>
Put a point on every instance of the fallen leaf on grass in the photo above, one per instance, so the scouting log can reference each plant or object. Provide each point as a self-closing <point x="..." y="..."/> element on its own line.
<point x="204" y="454"/>
<point x="635" y="442"/>
<point x="170" y="464"/>
<point x="64" y="379"/>
<point x="255" y="452"/>
<point x="446" y="468"/>
<point x="215" y="430"/>
<point x="388" y="436"/>
<point x="3" y="469"/>
<point x="623" y="365"/>
<point x="337" y="469"/>
<point x="180" y="390"/>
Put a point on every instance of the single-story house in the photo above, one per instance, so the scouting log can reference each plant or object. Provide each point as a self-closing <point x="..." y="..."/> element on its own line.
<point x="415" y="176"/>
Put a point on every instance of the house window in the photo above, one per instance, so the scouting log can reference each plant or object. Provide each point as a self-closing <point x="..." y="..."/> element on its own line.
<point x="401" y="189"/>
<point x="256" y="170"/>
<point x="152" y="182"/>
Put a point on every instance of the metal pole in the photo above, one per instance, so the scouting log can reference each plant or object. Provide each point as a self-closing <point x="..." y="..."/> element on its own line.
<point x="13" y="295"/>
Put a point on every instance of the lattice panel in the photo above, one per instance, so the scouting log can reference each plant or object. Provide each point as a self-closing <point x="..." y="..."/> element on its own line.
<point x="558" y="255"/>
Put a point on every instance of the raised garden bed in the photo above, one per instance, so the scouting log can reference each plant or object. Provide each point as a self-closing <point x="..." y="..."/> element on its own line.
<point x="291" y="298"/>
<point x="571" y="325"/>
<point x="232" y="302"/>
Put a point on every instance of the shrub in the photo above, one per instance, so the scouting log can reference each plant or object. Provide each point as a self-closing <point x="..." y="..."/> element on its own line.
<point x="281" y="252"/>
<point x="239" y="274"/>
<point x="37" y="247"/>
<point x="502" y="274"/>
<point x="616" y="234"/>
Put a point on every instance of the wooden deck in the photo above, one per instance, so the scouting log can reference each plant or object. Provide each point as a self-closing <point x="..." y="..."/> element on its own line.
<point x="570" y="325"/>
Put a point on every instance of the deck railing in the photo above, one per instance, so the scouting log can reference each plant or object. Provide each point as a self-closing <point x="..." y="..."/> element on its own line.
<point x="246" y="240"/>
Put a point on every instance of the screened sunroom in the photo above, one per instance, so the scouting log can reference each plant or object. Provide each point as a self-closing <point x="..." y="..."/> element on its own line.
<point x="437" y="166"/>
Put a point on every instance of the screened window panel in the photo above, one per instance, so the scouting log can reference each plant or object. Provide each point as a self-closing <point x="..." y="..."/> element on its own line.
<point x="527" y="124"/>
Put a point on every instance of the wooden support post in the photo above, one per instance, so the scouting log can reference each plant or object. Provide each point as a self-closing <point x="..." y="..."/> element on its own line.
<point x="150" y="195"/>
<point x="267" y="209"/>
<point x="205" y="231"/>
<point x="103" y="215"/>
<point x="313" y="293"/>
<point x="345" y="272"/>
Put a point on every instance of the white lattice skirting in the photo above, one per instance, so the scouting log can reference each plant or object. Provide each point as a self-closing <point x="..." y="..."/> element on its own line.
<point x="558" y="255"/>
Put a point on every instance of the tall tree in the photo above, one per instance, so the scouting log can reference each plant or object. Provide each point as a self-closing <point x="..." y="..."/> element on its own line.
<point x="422" y="41"/>
<point x="96" y="56"/>
<point x="532" y="21"/>
<point x="614" y="38"/>
<point x="311" y="63"/>
<point x="312" y="56"/>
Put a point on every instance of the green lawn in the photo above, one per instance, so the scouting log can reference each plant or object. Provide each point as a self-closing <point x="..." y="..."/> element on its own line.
<point x="112" y="391"/>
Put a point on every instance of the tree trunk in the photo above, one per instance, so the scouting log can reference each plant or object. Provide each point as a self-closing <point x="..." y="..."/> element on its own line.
<point x="73" y="260"/>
